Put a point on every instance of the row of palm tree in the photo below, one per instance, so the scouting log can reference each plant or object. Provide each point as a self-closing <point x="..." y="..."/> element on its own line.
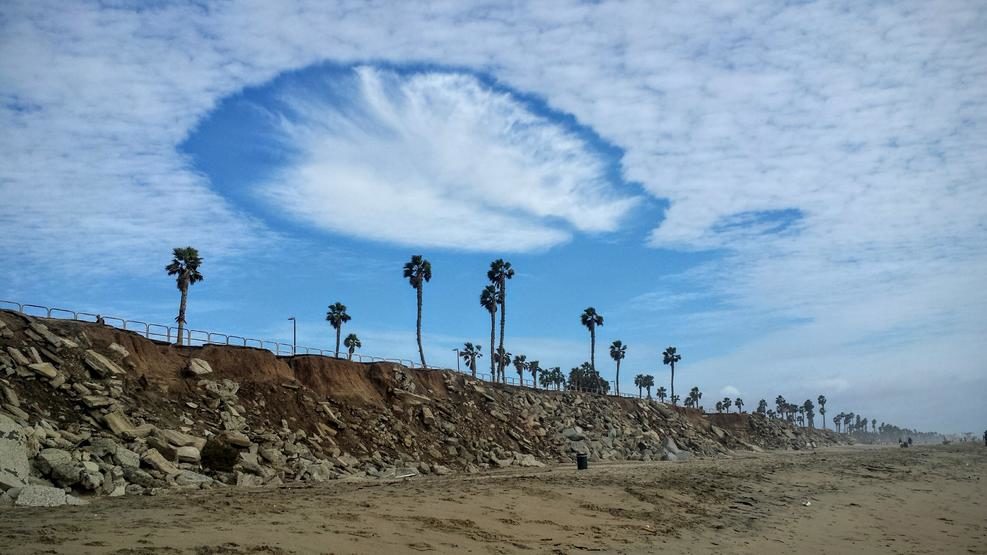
<point x="726" y="403"/>
<point x="186" y="263"/>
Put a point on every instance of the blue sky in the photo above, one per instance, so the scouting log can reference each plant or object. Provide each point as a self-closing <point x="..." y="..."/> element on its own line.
<point x="793" y="194"/>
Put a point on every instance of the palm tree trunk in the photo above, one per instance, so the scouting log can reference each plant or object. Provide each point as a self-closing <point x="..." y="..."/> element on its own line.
<point x="473" y="365"/>
<point x="503" y="318"/>
<point x="418" y="327"/>
<point x="493" y="327"/>
<point x="617" y="383"/>
<point x="337" y="340"/>
<point x="673" y="382"/>
<point x="181" y="314"/>
<point x="592" y="347"/>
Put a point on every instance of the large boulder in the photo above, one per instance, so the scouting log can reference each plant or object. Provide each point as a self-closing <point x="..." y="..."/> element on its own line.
<point x="41" y="496"/>
<point x="14" y="466"/>
<point x="59" y="465"/>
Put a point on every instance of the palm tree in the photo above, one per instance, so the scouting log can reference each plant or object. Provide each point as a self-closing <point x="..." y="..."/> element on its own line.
<point x="670" y="358"/>
<point x="688" y="402"/>
<point x="337" y="316"/>
<point x="662" y="393"/>
<point x="739" y="403"/>
<point x="418" y="271"/>
<point x="675" y="399"/>
<point x="547" y="378"/>
<point x="695" y="395"/>
<point x="184" y="265"/>
<point x="469" y="354"/>
<point x="557" y="378"/>
<point x="781" y="404"/>
<point x="639" y="383"/>
<point x="727" y="403"/>
<point x="591" y="320"/>
<point x="810" y="415"/>
<point x="836" y="421"/>
<point x="352" y="343"/>
<point x="520" y="365"/>
<point x="534" y="368"/>
<point x="503" y="358"/>
<point x="762" y="407"/>
<point x="719" y="406"/>
<point x="501" y="271"/>
<point x="649" y="382"/>
<point x="822" y="409"/>
<point x="873" y="425"/>
<point x="489" y="299"/>
<point x="617" y="352"/>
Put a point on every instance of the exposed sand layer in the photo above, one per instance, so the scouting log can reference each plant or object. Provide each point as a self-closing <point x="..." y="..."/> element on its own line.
<point x="837" y="500"/>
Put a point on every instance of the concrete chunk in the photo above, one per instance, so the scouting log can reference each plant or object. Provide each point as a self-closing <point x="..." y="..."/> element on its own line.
<point x="14" y="466"/>
<point x="44" y="368"/>
<point x="18" y="356"/>
<point x="118" y="422"/>
<point x="101" y="365"/>
<point x="40" y="496"/>
<point x="198" y="367"/>
<point x="154" y="459"/>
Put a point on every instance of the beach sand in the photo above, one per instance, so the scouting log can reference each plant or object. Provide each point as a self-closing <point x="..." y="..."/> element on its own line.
<point x="839" y="500"/>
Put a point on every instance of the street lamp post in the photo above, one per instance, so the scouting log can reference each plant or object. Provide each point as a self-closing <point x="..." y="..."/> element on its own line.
<point x="457" y="358"/>
<point x="294" y="335"/>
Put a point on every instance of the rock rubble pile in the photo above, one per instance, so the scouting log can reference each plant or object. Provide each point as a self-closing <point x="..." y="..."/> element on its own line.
<point x="90" y="410"/>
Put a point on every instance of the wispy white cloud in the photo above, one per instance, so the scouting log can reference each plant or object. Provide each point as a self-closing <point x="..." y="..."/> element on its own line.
<point x="438" y="160"/>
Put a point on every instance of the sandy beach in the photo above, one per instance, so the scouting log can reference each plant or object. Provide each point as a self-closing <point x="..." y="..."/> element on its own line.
<point x="838" y="500"/>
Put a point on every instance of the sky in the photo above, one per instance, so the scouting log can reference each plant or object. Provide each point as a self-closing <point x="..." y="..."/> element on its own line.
<point x="794" y="194"/>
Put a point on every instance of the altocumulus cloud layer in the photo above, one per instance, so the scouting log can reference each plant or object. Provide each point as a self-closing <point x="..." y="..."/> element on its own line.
<point x="834" y="152"/>
<point x="437" y="160"/>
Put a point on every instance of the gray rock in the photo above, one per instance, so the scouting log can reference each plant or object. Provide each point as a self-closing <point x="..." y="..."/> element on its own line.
<point x="198" y="367"/>
<point x="573" y="434"/>
<point x="102" y="447"/>
<point x="126" y="458"/>
<point x="140" y="478"/>
<point x="670" y="446"/>
<point x="188" y="454"/>
<point x="134" y="489"/>
<point x="187" y="478"/>
<point x="14" y="466"/>
<point x="154" y="459"/>
<point x="528" y="460"/>
<point x="102" y="366"/>
<point x="44" y="368"/>
<point x="120" y="350"/>
<point x="18" y="356"/>
<point x="41" y="496"/>
<point x="11" y="396"/>
<point x="47" y="459"/>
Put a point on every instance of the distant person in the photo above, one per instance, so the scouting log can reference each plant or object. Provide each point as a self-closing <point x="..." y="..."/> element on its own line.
<point x="985" y="438"/>
<point x="909" y="441"/>
<point x="100" y="320"/>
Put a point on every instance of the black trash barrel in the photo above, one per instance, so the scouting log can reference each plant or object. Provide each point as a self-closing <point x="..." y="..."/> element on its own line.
<point x="582" y="461"/>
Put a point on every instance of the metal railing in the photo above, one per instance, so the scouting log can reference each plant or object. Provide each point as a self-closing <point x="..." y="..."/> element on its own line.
<point x="191" y="337"/>
<point x="169" y="334"/>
